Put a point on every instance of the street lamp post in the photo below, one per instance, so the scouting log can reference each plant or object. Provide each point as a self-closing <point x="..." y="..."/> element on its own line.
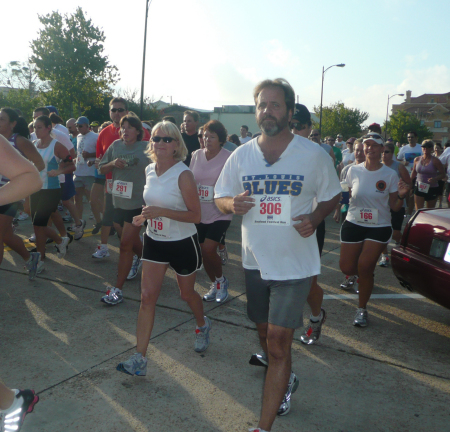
<point x="387" y="113"/>
<point x="321" y="94"/>
<point x="147" y="5"/>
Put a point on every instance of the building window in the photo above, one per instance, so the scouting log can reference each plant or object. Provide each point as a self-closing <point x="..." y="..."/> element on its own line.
<point x="422" y="122"/>
<point x="432" y="100"/>
<point x="437" y="124"/>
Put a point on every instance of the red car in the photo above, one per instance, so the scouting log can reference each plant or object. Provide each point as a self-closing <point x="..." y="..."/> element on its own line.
<point x="422" y="261"/>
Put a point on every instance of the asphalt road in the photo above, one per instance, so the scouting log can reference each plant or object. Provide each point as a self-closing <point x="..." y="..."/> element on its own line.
<point x="58" y="338"/>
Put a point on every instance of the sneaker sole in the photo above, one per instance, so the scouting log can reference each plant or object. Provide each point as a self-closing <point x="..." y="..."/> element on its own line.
<point x="223" y="300"/>
<point x="359" y="325"/>
<point x="209" y="300"/>
<point x="111" y="303"/>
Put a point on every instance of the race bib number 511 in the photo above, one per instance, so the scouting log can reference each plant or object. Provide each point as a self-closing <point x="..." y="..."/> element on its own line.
<point x="272" y="210"/>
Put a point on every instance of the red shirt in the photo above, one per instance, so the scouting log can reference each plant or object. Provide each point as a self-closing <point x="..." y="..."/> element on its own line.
<point x="107" y="136"/>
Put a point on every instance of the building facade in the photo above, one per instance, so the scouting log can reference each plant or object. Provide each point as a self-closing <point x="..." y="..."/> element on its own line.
<point x="433" y="110"/>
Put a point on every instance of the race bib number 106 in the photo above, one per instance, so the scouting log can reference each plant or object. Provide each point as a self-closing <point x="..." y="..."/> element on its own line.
<point x="272" y="210"/>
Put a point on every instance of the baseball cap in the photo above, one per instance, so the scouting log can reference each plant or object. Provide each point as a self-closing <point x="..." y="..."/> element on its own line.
<point x="52" y="109"/>
<point x="340" y="136"/>
<point x="427" y="144"/>
<point x="95" y="123"/>
<point x="350" y="140"/>
<point x="372" y="136"/>
<point x="82" y="120"/>
<point x="301" y="114"/>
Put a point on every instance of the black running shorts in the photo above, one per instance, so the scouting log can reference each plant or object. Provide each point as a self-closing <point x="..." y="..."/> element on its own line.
<point x="43" y="203"/>
<point x="183" y="256"/>
<point x="352" y="233"/>
<point x="214" y="231"/>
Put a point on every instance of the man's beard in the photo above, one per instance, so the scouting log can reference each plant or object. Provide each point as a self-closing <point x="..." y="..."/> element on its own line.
<point x="271" y="127"/>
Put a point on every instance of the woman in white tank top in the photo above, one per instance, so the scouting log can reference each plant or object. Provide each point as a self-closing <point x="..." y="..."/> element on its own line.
<point x="172" y="210"/>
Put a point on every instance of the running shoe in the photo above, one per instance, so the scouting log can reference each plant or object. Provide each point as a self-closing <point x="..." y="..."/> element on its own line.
<point x="137" y="263"/>
<point x="23" y="404"/>
<point x="259" y="359"/>
<point x="348" y="282"/>
<point x="22" y="216"/>
<point x="32" y="239"/>
<point x="79" y="230"/>
<point x="312" y="333"/>
<point x="361" y="318"/>
<point x="285" y="406"/>
<point x="113" y="296"/>
<point x="101" y="252"/>
<point x="66" y="217"/>
<point x="32" y="264"/>
<point x="135" y="365"/>
<point x="97" y="228"/>
<point x="384" y="261"/>
<point x="202" y="336"/>
<point x="211" y="295"/>
<point x="222" y="291"/>
<point x="62" y="248"/>
<point x="40" y="267"/>
<point x="70" y="237"/>
<point x="60" y="208"/>
<point x="223" y="253"/>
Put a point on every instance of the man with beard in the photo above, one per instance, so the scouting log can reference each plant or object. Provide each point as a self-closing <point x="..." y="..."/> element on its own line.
<point x="272" y="181"/>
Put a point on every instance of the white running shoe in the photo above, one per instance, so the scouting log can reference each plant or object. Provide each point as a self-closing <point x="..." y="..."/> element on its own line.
<point x="134" y="268"/>
<point x="22" y="216"/>
<point x="62" y="248"/>
<point x="101" y="252"/>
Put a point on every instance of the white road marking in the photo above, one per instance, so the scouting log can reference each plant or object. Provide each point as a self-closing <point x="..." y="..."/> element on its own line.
<point x="373" y="296"/>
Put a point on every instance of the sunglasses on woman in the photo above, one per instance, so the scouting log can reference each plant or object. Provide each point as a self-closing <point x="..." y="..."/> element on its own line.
<point x="167" y="140"/>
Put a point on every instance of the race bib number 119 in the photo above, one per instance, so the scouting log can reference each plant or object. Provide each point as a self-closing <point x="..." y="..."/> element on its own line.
<point x="272" y="210"/>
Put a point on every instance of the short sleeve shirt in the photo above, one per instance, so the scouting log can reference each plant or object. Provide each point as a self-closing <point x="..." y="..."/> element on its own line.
<point x="270" y="242"/>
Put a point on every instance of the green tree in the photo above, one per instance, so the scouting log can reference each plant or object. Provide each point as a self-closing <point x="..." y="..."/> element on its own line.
<point x="338" y="118"/>
<point x="22" y="76"/>
<point x="68" y="53"/>
<point x="21" y="99"/>
<point x="401" y="123"/>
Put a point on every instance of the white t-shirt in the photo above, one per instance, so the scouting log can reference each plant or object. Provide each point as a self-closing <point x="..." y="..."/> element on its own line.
<point x="445" y="159"/>
<point x="348" y="158"/>
<point x="163" y="191"/>
<point x="244" y="140"/>
<point x="283" y="190"/>
<point x="370" y="191"/>
<point x="408" y="154"/>
<point x="62" y="129"/>
<point x="339" y="145"/>
<point x="87" y="143"/>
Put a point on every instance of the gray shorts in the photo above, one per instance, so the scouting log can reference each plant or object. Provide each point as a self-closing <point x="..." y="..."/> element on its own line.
<point x="276" y="302"/>
<point x="84" y="182"/>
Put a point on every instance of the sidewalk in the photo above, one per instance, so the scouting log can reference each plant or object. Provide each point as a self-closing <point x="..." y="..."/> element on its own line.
<point x="58" y="338"/>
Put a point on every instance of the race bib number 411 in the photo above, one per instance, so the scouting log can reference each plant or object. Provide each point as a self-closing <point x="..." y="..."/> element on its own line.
<point x="272" y="210"/>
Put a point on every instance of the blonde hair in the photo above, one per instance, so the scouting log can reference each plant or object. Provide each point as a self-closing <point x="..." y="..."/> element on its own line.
<point x="171" y="130"/>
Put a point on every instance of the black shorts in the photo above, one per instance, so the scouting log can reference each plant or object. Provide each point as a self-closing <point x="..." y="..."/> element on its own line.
<point x="441" y="184"/>
<point x="9" y="209"/>
<point x="431" y="195"/>
<point x="214" y="231"/>
<point x="43" y="203"/>
<point x="68" y="188"/>
<point x="108" y="214"/>
<point x="100" y="181"/>
<point x="320" y="235"/>
<point x="352" y="233"/>
<point x="183" y="256"/>
<point x="121" y="216"/>
<point x="447" y="188"/>
<point x="397" y="219"/>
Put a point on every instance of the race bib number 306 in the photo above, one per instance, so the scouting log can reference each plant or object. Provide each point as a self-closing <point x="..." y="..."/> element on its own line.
<point x="272" y="210"/>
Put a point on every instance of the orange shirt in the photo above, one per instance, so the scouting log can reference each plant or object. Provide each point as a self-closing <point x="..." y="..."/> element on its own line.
<point x="107" y="136"/>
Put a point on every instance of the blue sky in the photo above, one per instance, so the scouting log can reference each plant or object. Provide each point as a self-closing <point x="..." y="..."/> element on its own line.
<point x="206" y="53"/>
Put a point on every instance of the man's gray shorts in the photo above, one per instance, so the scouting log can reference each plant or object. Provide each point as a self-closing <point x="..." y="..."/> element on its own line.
<point x="276" y="302"/>
<point x="84" y="182"/>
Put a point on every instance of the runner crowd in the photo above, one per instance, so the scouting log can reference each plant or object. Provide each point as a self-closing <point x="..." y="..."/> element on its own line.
<point x="170" y="192"/>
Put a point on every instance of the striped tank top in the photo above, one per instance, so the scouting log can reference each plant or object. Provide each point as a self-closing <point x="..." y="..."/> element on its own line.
<point x="51" y="163"/>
